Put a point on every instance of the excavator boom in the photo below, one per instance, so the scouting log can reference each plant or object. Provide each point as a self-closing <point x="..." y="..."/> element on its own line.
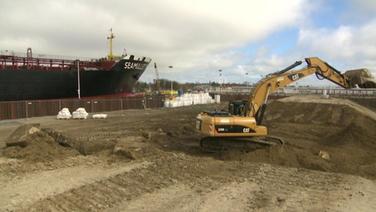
<point x="274" y="81"/>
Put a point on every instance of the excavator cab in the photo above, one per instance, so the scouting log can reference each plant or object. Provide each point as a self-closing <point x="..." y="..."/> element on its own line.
<point x="238" y="107"/>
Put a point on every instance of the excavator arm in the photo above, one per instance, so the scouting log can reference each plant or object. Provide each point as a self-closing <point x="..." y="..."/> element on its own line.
<point x="274" y="81"/>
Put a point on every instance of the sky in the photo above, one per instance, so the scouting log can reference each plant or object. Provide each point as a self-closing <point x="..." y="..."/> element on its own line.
<point x="246" y="39"/>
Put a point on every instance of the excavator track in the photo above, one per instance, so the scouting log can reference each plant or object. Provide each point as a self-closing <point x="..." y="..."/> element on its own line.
<point x="221" y="144"/>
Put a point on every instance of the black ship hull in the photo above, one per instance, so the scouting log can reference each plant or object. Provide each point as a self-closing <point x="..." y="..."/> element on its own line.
<point x="47" y="84"/>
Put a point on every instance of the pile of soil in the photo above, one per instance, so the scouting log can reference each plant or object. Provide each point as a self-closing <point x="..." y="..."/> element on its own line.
<point x="308" y="125"/>
<point x="309" y="113"/>
<point x="33" y="144"/>
<point x="346" y="121"/>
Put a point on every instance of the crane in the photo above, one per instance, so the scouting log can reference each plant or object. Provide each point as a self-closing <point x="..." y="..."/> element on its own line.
<point x="110" y="38"/>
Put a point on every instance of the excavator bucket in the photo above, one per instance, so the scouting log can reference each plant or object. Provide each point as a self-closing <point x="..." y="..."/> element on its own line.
<point x="361" y="77"/>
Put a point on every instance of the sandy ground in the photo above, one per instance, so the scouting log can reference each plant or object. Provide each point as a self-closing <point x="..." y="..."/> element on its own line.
<point x="169" y="172"/>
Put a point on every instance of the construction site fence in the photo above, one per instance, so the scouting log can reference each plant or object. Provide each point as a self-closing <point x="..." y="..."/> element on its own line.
<point x="368" y="101"/>
<point x="338" y="93"/>
<point x="245" y="96"/>
<point x="35" y="108"/>
<point x="368" y="92"/>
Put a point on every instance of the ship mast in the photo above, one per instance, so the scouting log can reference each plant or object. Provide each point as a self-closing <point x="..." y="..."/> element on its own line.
<point x="110" y="38"/>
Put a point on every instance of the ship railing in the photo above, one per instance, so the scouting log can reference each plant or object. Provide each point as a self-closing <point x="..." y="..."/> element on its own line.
<point x="16" y="61"/>
<point x="46" y="56"/>
<point x="64" y="57"/>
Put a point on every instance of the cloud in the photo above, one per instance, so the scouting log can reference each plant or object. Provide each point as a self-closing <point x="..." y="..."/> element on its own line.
<point x="190" y="35"/>
<point x="364" y="5"/>
<point x="344" y="47"/>
<point x="351" y="46"/>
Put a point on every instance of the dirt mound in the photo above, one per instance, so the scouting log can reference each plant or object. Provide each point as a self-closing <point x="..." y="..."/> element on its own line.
<point x="347" y="122"/>
<point x="362" y="134"/>
<point x="33" y="144"/>
<point x="19" y="136"/>
<point x="342" y="129"/>
<point x="310" y="113"/>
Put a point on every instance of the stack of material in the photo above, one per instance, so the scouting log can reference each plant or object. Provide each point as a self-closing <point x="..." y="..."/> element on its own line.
<point x="217" y="98"/>
<point x="100" y="116"/>
<point x="80" y="113"/>
<point x="190" y="99"/>
<point x="64" y="114"/>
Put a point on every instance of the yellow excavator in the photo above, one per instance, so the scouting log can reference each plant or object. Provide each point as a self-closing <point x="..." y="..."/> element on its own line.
<point x="243" y="121"/>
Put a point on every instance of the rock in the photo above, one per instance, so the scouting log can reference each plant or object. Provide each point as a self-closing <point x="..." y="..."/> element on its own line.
<point x="324" y="155"/>
<point x="19" y="136"/>
<point x="33" y="130"/>
<point x="124" y="151"/>
<point x="146" y="135"/>
<point x="280" y="199"/>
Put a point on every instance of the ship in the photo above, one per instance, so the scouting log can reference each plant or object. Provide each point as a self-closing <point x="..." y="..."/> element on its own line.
<point x="28" y="77"/>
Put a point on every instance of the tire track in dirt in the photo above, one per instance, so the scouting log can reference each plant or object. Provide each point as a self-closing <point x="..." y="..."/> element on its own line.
<point x="182" y="198"/>
<point x="33" y="187"/>
<point x="103" y="193"/>
<point x="166" y="199"/>
<point x="165" y="185"/>
<point x="291" y="189"/>
<point x="270" y="189"/>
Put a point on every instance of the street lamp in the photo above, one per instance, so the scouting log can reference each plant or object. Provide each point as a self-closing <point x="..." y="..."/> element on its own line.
<point x="172" y="85"/>
<point x="220" y="80"/>
<point x="78" y="80"/>
<point x="246" y="79"/>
